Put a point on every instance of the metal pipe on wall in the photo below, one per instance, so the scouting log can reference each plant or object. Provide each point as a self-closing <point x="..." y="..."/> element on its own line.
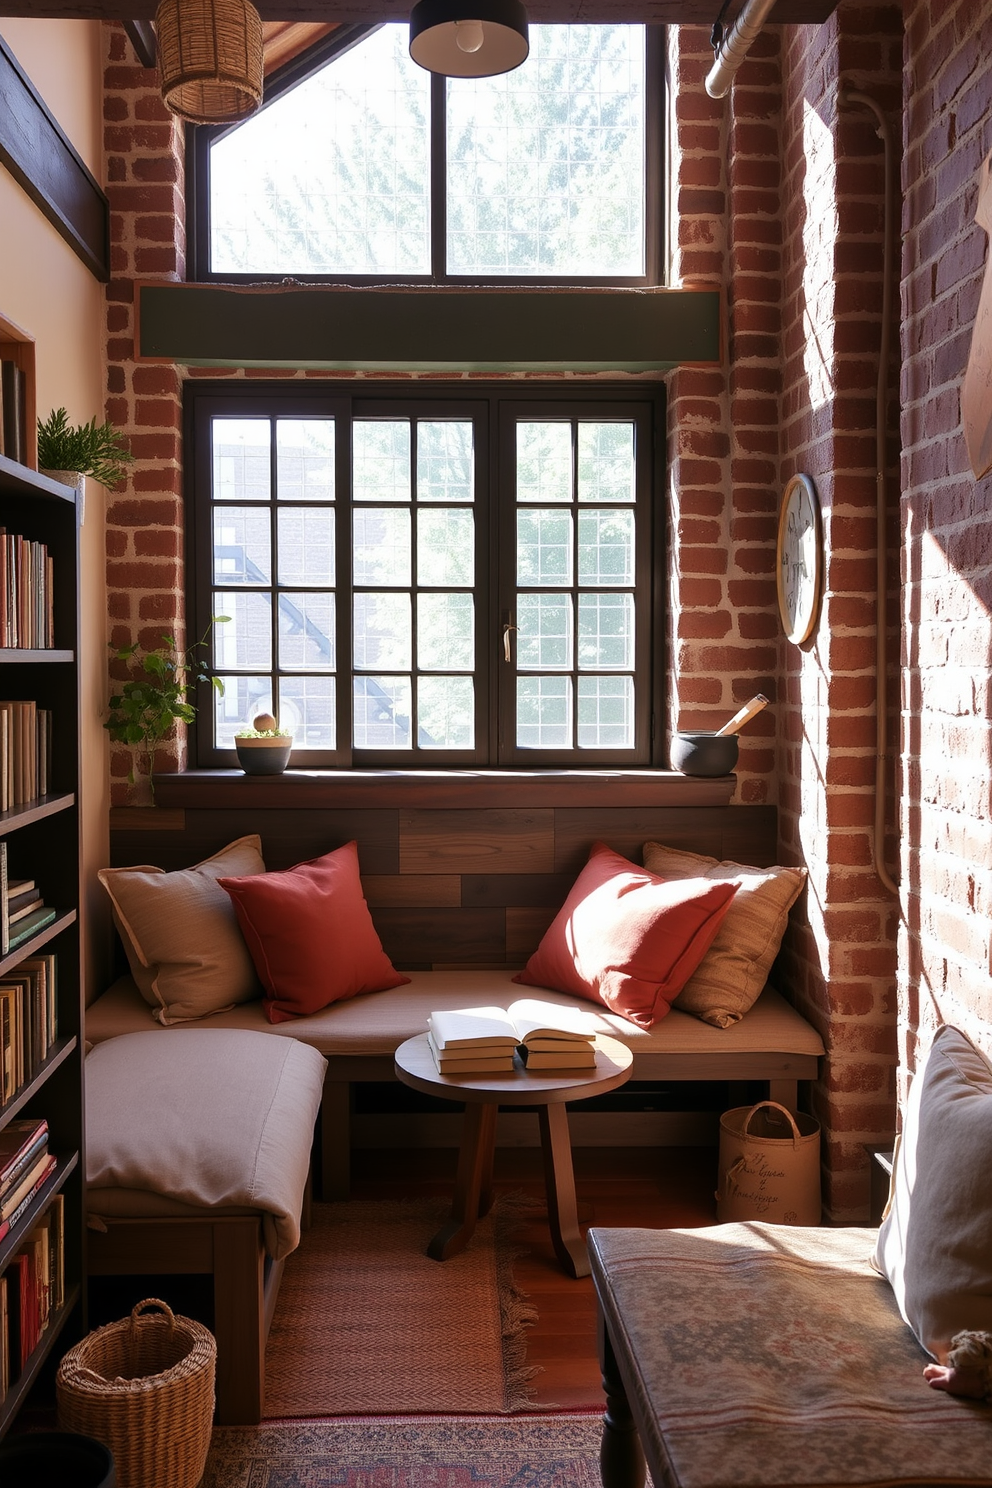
<point x="853" y="98"/>
<point x="736" y="45"/>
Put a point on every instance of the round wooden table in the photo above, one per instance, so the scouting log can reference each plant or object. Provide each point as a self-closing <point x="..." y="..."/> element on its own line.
<point x="548" y="1090"/>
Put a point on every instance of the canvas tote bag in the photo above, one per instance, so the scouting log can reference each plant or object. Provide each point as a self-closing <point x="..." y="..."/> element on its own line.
<point x="769" y="1166"/>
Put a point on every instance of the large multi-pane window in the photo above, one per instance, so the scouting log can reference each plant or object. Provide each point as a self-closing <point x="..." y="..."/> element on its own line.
<point x="367" y="167"/>
<point x="450" y="579"/>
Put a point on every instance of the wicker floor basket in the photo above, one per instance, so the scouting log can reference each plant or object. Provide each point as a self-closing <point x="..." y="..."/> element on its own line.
<point x="144" y="1387"/>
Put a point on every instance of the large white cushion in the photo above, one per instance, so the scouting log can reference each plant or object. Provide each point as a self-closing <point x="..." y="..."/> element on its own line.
<point x="214" y="1118"/>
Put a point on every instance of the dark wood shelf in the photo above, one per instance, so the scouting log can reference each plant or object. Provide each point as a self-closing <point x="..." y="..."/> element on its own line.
<point x="19" y="1388"/>
<point x="20" y="480"/>
<point x="35" y="942"/>
<point x="63" y="1049"/>
<point x="48" y="654"/>
<point x="15" y="1238"/>
<point x="32" y="811"/>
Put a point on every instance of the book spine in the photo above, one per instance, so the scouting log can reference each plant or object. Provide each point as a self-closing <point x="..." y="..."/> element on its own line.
<point x="4" y="908"/>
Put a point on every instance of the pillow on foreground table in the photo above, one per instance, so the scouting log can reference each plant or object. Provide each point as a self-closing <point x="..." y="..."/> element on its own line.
<point x="731" y="975"/>
<point x="934" y="1241"/>
<point x="181" y="934"/>
<point x="627" y="938"/>
<point x="310" y="934"/>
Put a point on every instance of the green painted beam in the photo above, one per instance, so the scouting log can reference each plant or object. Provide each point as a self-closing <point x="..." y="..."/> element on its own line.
<point x="429" y="329"/>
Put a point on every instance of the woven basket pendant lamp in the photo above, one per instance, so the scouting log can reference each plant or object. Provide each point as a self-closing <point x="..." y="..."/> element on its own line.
<point x="210" y="59"/>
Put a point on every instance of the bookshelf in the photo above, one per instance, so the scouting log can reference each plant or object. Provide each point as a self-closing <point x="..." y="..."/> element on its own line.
<point x="42" y="844"/>
<point x="18" y="347"/>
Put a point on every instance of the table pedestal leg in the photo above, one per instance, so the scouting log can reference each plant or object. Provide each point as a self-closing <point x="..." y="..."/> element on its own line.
<point x="559" y="1181"/>
<point x="473" y="1182"/>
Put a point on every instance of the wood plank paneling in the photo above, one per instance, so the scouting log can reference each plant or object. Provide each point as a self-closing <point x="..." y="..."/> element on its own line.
<point x="412" y="890"/>
<point x="414" y="937"/>
<point x="697" y="829"/>
<point x="524" y="929"/>
<point x="477" y="841"/>
<point x="288" y="837"/>
<point x="525" y="889"/>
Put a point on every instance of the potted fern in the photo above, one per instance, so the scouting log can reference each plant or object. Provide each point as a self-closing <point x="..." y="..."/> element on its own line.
<point x="69" y="452"/>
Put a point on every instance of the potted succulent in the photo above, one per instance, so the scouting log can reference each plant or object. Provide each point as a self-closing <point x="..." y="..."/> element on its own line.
<point x="263" y="749"/>
<point x="69" y="452"/>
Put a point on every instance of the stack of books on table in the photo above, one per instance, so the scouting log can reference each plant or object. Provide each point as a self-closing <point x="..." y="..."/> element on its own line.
<point x="483" y="1040"/>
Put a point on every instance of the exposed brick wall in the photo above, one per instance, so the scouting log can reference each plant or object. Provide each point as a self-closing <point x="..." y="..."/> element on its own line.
<point x="947" y="536"/>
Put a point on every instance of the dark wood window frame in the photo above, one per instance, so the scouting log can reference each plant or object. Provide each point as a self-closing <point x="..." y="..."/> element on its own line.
<point x="200" y="138"/>
<point x="495" y="568"/>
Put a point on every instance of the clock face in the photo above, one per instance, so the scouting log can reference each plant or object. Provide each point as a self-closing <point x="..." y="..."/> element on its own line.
<point x="799" y="559"/>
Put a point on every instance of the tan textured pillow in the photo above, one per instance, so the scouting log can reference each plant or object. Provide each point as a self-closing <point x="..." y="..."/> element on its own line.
<point x="735" y="968"/>
<point x="934" y="1241"/>
<point x="181" y="935"/>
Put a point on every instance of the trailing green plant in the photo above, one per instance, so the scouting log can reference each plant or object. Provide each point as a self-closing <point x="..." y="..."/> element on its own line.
<point x="92" y="449"/>
<point x="145" y="708"/>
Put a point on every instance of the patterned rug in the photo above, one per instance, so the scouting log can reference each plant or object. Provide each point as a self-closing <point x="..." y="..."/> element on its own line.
<point x="547" y="1451"/>
<point x="367" y="1324"/>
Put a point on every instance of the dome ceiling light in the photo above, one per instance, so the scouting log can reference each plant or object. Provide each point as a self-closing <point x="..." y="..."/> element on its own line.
<point x="469" y="38"/>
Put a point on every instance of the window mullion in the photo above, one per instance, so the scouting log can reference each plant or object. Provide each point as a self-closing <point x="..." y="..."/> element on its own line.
<point x="439" y="176"/>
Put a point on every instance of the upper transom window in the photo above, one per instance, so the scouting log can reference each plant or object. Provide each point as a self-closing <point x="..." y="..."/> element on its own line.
<point x="372" y="169"/>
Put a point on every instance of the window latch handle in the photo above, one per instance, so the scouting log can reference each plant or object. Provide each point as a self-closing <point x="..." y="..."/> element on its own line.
<point x="506" y="640"/>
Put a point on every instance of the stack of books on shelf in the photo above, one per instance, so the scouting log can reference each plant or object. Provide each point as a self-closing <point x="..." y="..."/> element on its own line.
<point x="27" y="619"/>
<point x="23" y="912"/>
<point x="484" y="1040"/>
<point x="13" y="411"/>
<point x="25" y="1164"/>
<point x="28" y="1021"/>
<point x="25" y="753"/>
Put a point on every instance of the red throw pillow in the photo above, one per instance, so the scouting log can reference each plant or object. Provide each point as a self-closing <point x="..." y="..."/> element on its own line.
<point x="628" y="938"/>
<point x="310" y="934"/>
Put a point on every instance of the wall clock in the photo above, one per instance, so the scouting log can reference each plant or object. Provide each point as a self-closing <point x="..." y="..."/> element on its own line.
<point x="799" y="559"/>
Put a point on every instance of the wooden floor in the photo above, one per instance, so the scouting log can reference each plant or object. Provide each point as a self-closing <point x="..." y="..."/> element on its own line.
<point x="654" y="1187"/>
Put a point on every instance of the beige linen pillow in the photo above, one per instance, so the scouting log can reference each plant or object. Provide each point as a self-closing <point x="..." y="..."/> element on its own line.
<point x="934" y="1241"/>
<point x="735" y="968"/>
<point x="181" y="934"/>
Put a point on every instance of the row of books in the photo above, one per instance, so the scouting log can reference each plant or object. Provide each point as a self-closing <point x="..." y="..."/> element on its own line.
<point x="25" y="1164"/>
<point x="25" y="752"/>
<point x="27" y="616"/>
<point x="13" y="411"/>
<point x="32" y="1288"/>
<point x="28" y="1021"/>
<point x="485" y="1040"/>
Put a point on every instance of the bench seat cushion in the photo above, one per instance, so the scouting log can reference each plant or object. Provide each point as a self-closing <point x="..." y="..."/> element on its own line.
<point x="212" y="1119"/>
<point x="378" y="1022"/>
<point x="761" y="1355"/>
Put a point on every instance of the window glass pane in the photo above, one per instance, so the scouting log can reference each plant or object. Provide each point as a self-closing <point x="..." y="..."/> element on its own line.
<point x="242" y="545"/>
<point x="606" y="632"/>
<point x="246" y="639"/>
<point x="381" y="460"/>
<point x="334" y="176"/>
<point x="382" y="712"/>
<point x="381" y="539"/>
<point x="305" y="459"/>
<point x="445" y="546"/>
<point x="544" y="547"/>
<point x="546" y="163"/>
<point x="306" y="545"/>
<point x="241" y="467"/>
<point x="445" y="464"/>
<point x="544" y="462"/>
<point x="242" y="701"/>
<point x="382" y="634"/>
<point x="606" y="547"/>
<point x="307" y="708"/>
<point x="544" y="712"/>
<point x="445" y="713"/>
<point x="606" y="712"/>
<point x="306" y="631"/>
<point x="446" y="632"/>
<point x="606" y="462"/>
<point x="544" y="634"/>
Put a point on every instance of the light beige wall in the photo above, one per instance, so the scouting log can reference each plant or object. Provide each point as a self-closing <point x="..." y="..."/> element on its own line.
<point x="50" y="294"/>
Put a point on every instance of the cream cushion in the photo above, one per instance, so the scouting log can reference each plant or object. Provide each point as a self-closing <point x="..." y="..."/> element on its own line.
<point x="736" y="966"/>
<point x="181" y="934"/>
<point x="935" y="1242"/>
<point x="214" y="1119"/>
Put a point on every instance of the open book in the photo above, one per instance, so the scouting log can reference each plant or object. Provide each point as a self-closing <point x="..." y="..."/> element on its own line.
<point x="527" y="1021"/>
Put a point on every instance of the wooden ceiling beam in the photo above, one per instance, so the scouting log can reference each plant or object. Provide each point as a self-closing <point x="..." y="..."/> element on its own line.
<point x="685" y="12"/>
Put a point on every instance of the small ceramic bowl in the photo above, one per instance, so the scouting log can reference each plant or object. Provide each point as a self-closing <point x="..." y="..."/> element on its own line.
<point x="263" y="756"/>
<point x="703" y="754"/>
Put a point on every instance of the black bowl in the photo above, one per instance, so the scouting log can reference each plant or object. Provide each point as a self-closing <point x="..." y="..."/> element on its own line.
<point x="703" y="754"/>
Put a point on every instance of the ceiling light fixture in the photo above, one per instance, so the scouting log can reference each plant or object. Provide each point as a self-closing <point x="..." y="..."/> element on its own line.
<point x="469" y="38"/>
<point x="210" y="59"/>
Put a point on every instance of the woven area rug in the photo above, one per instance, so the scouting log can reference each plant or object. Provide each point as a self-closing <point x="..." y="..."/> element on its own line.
<point x="367" y="1324"/>
<point x="547" y="1451"/>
